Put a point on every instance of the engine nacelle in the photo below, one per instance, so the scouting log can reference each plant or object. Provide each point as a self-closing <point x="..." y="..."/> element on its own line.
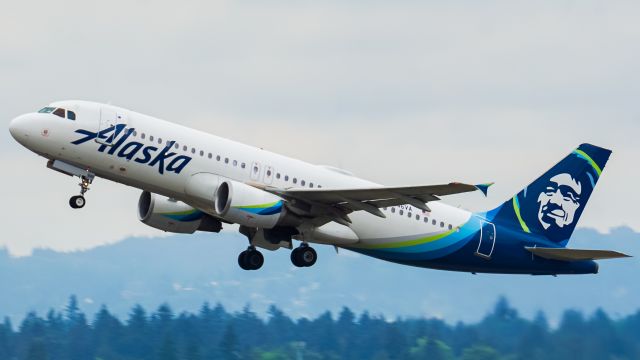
<point x="245" y="205"/>
<point x="174" y="216"/>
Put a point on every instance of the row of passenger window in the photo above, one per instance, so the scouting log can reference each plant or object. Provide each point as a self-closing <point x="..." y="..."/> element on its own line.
<point x="425" y="219"/>
<point x="235" y="163"/>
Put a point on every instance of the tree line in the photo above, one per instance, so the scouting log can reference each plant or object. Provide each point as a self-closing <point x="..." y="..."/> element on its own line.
<point x="215" y="333"/>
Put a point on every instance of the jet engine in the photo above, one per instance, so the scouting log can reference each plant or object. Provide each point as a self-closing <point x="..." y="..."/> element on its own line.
<point x="246" y="205"/>
<point x="174" y="216"/>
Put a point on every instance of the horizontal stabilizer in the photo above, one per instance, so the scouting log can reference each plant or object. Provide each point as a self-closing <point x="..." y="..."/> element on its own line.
<point x="564" y="254"/>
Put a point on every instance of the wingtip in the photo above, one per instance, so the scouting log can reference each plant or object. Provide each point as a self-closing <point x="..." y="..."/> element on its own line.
<point x="484" y="188"/>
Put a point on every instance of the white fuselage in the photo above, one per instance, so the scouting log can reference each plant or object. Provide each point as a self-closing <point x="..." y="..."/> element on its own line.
<point x="51" y="136"/>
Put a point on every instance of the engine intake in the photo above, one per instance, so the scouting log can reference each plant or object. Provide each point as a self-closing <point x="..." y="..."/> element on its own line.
<point x="174" y="216"/>
<point x="246" y="205"/>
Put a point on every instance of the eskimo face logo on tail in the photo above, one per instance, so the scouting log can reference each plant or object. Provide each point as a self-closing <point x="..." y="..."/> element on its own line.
<point x="559" y="201"/>
<point x="118" y="136"/>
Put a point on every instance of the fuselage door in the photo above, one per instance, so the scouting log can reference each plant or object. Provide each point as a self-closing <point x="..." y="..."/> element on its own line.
<point x="487" y="239"/>
<point x="268" y="175"/>
<point x="109" y="118"/>
<point x="255" y="171"/>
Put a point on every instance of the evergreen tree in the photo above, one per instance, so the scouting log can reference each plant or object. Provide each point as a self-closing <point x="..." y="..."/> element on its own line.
<point x="345" y="326"/>
<point x="107" y="335"/>
<point x="137" y="338"/>
<point x="280" y="328"/>
<point x="31" y="337"/>
<point x="6" y="340"/>
<point x="78" y="336"/>
<point x="229" y="344"/>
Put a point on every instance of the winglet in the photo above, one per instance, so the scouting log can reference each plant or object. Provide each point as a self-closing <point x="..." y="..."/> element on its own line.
<point x="484" y="188"/>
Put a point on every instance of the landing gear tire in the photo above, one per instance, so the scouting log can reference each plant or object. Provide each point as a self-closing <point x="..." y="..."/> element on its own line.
<point x="304" y="256"/>
<point x="77" y="202"/>
<point x="250" y="259"/>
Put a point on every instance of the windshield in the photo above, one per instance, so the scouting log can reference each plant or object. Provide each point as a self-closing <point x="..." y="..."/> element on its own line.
<point x="59" y="112"/>
<point x="46" y="110"/>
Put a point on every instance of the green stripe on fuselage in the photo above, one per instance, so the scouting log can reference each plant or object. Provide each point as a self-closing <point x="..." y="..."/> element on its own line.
<point x="408" y="243"/>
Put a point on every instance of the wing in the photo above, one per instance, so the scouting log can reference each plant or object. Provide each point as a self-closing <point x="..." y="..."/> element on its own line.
<point x="564" y="254"/>
<point x="337" y="203"/>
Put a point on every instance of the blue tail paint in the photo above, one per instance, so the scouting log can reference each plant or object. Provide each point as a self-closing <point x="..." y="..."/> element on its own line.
<point x="553" y="203"/>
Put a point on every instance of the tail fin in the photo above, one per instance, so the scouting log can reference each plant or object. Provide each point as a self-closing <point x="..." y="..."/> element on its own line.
<point x="553" y="203"/>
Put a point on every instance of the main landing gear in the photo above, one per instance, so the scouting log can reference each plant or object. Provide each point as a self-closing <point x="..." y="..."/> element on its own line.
<point x="250" y="259"/>
<point x="78" y="201"/>
<point x="304" y="256"/>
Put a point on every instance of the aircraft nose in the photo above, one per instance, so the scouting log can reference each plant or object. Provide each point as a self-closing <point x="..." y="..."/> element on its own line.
<point x="19" y="128"/>
<point x="14" y="127"/>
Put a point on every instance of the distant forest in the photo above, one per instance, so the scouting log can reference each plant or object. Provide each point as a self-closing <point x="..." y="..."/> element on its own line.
<point x="214" y="333"/>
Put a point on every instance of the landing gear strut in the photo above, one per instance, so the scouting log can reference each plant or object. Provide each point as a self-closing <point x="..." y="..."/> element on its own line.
<point x="304" y="256"/>
<point x="78" y="201"/>
<point x="250" y="259"/>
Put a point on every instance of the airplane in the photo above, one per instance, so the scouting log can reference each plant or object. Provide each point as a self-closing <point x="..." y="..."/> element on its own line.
<point x="195" y="181"/>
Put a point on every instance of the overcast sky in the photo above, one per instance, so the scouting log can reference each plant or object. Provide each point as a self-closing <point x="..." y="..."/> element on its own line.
<point x="399" y="92"/>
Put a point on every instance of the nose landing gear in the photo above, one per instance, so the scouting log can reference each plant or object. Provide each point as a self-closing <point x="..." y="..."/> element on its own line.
<point x="78" y="201"/>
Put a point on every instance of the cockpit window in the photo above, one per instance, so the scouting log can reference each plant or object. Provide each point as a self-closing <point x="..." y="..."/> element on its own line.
<point x="59" y="112"/>
<point x="46" y="110"/>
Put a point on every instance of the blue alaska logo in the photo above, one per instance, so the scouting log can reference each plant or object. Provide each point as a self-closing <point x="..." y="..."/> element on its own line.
<point x="117" y="136"/>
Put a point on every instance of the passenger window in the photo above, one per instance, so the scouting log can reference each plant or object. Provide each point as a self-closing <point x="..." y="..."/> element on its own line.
<point x="59" y="112"/>
<point x="201" y="153"/>
<point x="450" y="227"/>
<point x="184" y="147"/>
<point x="235" y="162"/>
<point x="226" y="160"/>
<point x="319" y="186"/>
<point x="441" y="224"/>
<point x="417" y="217"/>
<point x="286" y="178"/>
<point x="159" y="140"/>
<point x="71" y="115"/>
<point x="151" y="137"/>
<point x="401" y="212"/>
<point x="209" y="155"/>
<point x="295" y="181"/>
<point x="176" y="146"/>
<point x="311" y="185"/>
<point x="408" y="214"/>
<point x="143" y="136"/>
<point x="393" y="210"/>
<point x="193" y="150"/>
<point x="135" y="133"/>
<point x="426" y="219"/>
<point x="218" y="157"/>
<point x="243" y="165"/>
<point x="302" y="182"/>
<point x="433" y="222"/>
<point x="278" y="176"/>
